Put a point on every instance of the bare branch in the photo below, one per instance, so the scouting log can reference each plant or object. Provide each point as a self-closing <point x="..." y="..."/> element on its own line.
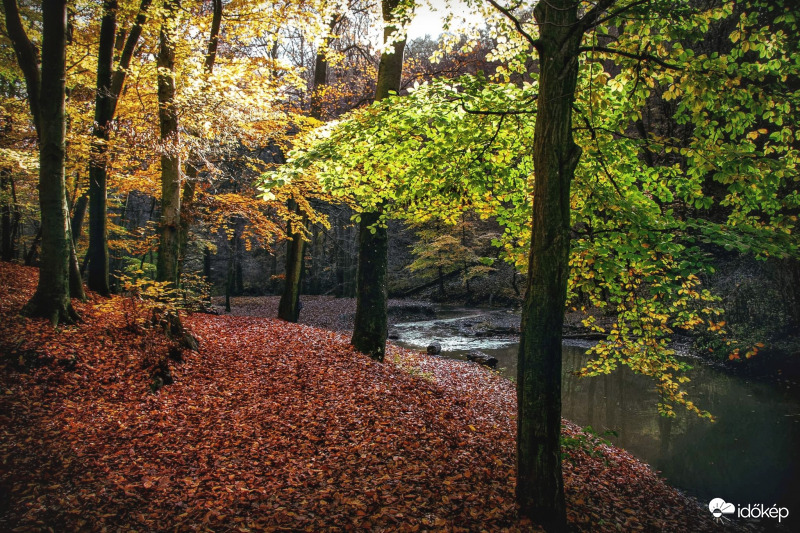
<point x="517" y="23"/>
<point x="631" y="55"/>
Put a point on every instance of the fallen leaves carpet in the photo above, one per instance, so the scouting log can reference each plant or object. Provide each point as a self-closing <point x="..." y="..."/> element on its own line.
<point x="273" y="427"/>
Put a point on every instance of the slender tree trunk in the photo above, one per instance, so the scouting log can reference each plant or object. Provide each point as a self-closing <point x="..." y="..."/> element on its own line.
<point x="192" y="170"/>
<point x="238" y="280"/>
<point x="187" y="200"/>
<point x="289" y="306"/>
<point x="75" y="275"/>
<point x="540" y="486"/>
<point x="6" y="217"/>
<point x="339" y="260"/>
<point x="103" y="113"/>
<point x="229" y="279"/>
<point x="288" y="309"/>
<point x="370" y="328"/>
<point x="108" y="88"/>
<point x="51" y="299"/>
<point x="207" y="263"/>
<point x="30" y="256"/>
<point x="169" y="227"/>
<point x="78" y="216"/>
<point x="75" y="278"/>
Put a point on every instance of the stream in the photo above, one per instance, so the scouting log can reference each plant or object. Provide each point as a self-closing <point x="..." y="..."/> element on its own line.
<point x="748" y="456"/>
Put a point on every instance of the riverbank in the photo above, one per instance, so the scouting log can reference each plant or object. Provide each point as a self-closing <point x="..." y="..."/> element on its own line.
<point x="274" y="426"/>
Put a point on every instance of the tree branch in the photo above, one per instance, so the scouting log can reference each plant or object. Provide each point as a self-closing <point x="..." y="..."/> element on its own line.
<point x="618" y="12"/>
<point x="27" y="58"/>
<point x="631" y="55"/>
<point x="517" y="24"/>
<point x="591" y="18"/>
<point x="213" y="39"/>
<point x="118" y="79"/>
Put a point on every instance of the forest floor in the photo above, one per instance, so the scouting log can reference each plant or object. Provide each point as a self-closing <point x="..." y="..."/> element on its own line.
<point x="273" y="426"/>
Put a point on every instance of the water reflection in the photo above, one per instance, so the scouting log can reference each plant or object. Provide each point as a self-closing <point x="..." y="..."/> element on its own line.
<point x="749" y="455"/>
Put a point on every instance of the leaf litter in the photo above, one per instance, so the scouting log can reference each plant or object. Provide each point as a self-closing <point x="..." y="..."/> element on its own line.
<point x="274" y="426"/>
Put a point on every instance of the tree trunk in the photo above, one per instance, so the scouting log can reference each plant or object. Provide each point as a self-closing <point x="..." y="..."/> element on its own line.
<point x="103" y="113"/>
<point x="289" y="306"/>
<point x="169" y="226"/>
<point x="540" y="486"/>
<point x="51" y="299"/>
<point x="229" y="278"/>
<point x="78" y="216"/>
<point x="187" y="199"/>
<point x="75" y="277"/>
<point x="30" y="256"/>
<point x="192" y="170"/>
<point x="108" y="88"/>
<point x="371" y="321"/>
<point x="207" y="263"/>
<point x="7" y="217"/>
<point x="370" y="329"/>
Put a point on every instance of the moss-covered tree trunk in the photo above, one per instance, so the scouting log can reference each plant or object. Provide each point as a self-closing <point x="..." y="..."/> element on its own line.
<point x="540" y="485"/>
<point x="169" y="224"/>
<point x="371" y="324"/>
<point x="51" y="299"/>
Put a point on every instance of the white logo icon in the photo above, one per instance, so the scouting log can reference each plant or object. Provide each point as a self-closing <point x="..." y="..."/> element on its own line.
<point x="719" y="507"/>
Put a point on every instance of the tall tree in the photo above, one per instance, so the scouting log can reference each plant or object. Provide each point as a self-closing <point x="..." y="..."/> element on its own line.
<point x="46" y="97"/>
<point x="192" y="166"/>
<point x="371" y="323"/>
<point x="289" y="306"/>
<point x="169" y="224"/>
<point x="109" y="87"/>
<point x="540" y="484"/>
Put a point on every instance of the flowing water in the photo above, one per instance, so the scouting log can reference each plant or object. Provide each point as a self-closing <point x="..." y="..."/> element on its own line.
<point x="750" y="455"/>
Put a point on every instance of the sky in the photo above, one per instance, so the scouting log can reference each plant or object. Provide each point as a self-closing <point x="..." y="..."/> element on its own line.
<point x="429" y="22"/>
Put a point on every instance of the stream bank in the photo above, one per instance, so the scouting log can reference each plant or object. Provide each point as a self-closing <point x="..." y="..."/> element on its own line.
<point x="748" y="455"/>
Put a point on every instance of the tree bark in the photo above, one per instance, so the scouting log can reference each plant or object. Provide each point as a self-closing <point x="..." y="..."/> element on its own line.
<point x="371" y="321"/>
<point x="9" y="218"/>
<point x="78" y="216"/>
<point x="103" y="113"/>
<point x="27" y="58"/>
<point x="540" y="485"/>
<point x="51" y="299"/>
<point x="370" y="328"/>
<point x="169" y="226"/>
<point x="289" y="306"/>
<point x="30" y="256"/>
<point x="108" y="88"/>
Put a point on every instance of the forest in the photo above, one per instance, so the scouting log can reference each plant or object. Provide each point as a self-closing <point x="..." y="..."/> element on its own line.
<point x="412" y="265"/>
